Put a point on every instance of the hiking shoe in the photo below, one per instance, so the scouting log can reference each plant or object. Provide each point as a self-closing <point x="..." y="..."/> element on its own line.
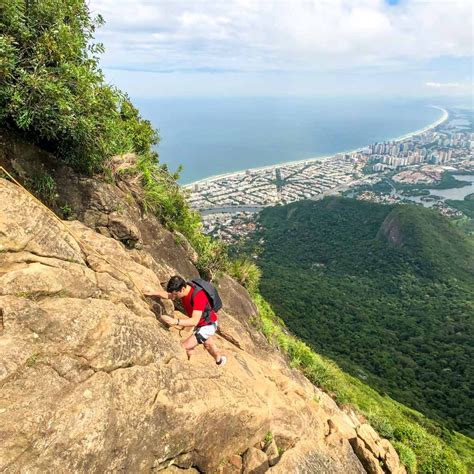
<point x="222" y="360"/>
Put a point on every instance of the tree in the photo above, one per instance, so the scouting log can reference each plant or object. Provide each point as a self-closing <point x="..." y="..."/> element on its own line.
<point x="53" y="91"/>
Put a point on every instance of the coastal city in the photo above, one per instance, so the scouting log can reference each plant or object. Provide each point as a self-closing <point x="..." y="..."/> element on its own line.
<point x="380" y="172"/>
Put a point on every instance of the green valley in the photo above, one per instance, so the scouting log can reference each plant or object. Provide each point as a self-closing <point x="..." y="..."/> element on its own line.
<point x="386" y="291"/>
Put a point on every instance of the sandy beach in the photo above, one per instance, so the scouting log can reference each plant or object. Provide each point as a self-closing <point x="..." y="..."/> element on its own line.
<point x="442" y="119"/>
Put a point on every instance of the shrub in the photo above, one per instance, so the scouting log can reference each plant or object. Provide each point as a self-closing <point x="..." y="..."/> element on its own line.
<point x="212" y="256"/>
<point x="44" y="187"/>
<point x="53" y="91"/>
<point x="382" y="425"/>
<point x="246" y="273"/>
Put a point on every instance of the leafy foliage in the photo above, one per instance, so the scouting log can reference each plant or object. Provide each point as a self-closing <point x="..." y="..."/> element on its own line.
<point x="386" y="291"/>
<point x="45" y="188"/>
<point x="163" y="197"/>
<point x="52" y="89"/>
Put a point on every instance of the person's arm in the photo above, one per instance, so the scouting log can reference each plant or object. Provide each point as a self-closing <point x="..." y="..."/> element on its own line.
<point x="184" y="322"/>
<point x="160" y="293"/>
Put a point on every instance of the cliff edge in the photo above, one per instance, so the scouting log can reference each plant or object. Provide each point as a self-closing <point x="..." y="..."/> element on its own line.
<point x="92" y="381"/>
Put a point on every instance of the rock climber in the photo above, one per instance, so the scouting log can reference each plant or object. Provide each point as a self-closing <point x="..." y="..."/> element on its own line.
<point x="201" y="303"/>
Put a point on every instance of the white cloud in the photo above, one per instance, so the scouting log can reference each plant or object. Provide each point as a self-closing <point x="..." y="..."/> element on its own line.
<point x="280" y="34"/>
<point x="445" y="85"/>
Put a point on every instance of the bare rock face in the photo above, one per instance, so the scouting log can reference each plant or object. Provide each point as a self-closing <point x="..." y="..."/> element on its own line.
<point x="390" y="458"/>
<point x="255" y="461"/>
<point x="391" y="230"/>
<point x="235" y="296"/>
<point x="91" y="381"/>
<point x="374" y="451"/>
<point x="370" y="438"/>
<point x="369" y="461"/>
<point x="340" y="425"/>
<point x="185" y="244"/>
<point x="112" y="209"/>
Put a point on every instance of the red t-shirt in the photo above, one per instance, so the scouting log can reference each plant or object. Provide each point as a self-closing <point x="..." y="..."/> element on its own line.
<point x="199" y="303"/>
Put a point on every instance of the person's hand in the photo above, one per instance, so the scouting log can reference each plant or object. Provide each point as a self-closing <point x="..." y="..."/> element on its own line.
<point x="149" y="292"/>
<point x="169" y="320"/>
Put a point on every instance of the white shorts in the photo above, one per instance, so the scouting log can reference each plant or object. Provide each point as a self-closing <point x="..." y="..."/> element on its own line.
<point x="203" y="333"/>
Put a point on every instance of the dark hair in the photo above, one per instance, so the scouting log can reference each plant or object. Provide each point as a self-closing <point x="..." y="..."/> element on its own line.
<point x="176" y="283"/>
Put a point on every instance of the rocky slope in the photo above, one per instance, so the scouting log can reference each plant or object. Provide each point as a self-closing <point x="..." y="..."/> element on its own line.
<point x="92" y="381"/>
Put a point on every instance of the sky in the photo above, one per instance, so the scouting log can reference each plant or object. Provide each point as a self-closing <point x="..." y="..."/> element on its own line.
<point x="386" y="48"/>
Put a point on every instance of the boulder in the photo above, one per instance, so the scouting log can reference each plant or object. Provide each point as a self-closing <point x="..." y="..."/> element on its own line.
<point x="177" y="470"/>
<point x="366" y="457"/>
<point x="390" y="457"/>
<point x="341" y="423"/>
<point x="235" y="296"/>
<point x="236" y="462"/>
<point x="271" y="450"/>
<point x="355" y="418"/>
<point x="122" y="227"/>
<point x="371" y="439"/>
<point x="255" y="461"/>
<point x="306" y="457"/>
<point x="232" y="465"/>
<point x="237" y="312"/>
<point x="188" y="248"/>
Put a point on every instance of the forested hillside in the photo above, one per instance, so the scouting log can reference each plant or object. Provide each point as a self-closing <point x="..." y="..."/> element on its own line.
<point x="386" y="291"/>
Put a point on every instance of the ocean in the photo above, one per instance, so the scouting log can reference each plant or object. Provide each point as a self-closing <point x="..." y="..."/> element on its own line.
<point x="210" y="136"/>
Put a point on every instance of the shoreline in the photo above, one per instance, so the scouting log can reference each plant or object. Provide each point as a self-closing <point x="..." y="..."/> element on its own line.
<point x="439" y="121"/>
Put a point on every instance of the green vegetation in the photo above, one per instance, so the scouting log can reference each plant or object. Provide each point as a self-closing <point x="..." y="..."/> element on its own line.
<point x="246" y="273"/>
<point x="466" y="206"/>
<point x="268" y="437"/>
<point x="423" y="445"/>
<point x="386" y="291"/>
<point x="67" y="212"/>
<point x="32" y="360"/>
<point x="52" y="90"/>
<point x="387" y="185"/>
<point x="384" y="186"/>
<point x="415" y="192"/>
<point x="466" y="225"/>
<point x="448" y="181"/>
<point x="44" y="187"/>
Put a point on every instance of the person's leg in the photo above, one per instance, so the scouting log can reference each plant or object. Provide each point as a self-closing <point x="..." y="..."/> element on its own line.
<point x="205" y="335"/>
<point x="189" y="345"/>
<point x="212" y="349"/>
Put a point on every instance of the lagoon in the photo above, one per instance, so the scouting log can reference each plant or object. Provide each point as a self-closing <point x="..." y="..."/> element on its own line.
<point x="451" y="193"/>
